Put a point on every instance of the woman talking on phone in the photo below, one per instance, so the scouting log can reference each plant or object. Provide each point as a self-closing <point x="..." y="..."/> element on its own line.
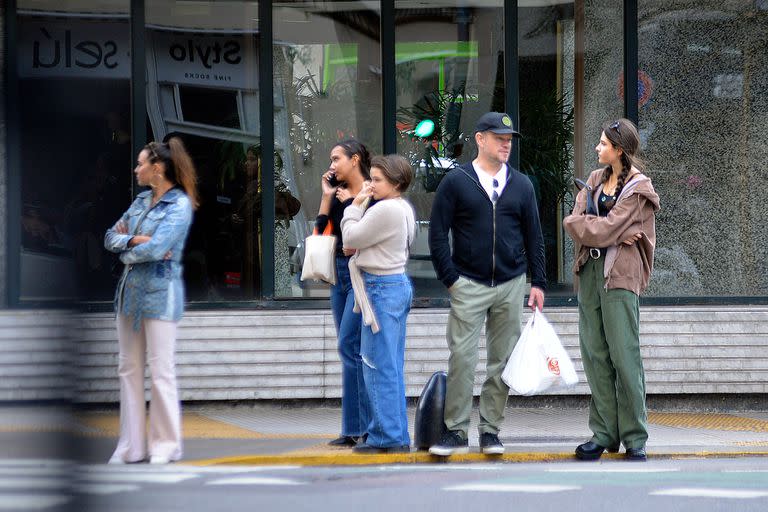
<point x="350" y="167"/>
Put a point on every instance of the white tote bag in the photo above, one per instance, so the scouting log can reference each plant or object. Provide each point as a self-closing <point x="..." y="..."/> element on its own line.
<point x="320" y="256"/>
<point x="539" y="362"/>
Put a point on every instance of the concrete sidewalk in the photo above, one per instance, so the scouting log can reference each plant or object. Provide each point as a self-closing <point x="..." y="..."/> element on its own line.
<point x="297" y="435"/>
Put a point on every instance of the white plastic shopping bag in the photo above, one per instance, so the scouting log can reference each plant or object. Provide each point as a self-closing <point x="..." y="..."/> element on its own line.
<point x="320" y="256"/>
<point x="539" y="361"/>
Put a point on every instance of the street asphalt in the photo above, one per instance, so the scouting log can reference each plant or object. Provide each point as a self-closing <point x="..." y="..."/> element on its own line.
<point x="276" y="434"/>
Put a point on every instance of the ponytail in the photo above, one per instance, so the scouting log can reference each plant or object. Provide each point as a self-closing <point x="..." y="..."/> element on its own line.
<point x="179" y="168"/>
<point x="186" y="176"/>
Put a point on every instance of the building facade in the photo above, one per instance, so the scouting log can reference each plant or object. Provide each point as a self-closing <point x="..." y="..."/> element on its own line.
<point x="260" y="92"/>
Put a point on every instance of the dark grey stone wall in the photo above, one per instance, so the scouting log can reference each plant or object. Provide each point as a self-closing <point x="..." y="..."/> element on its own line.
<point x="706" y="143"/>
<point x="3" y="170"/>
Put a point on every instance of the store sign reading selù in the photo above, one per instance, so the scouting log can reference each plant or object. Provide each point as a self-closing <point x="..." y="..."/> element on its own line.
<point x="87" y="49"/>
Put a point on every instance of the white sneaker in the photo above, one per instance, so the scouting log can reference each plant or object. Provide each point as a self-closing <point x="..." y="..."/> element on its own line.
<point x="158" y="459"/>
<point x="116" y="460"/>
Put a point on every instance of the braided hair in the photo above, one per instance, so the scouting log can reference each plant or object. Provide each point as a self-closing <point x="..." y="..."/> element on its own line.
<point x="623" y="135"/>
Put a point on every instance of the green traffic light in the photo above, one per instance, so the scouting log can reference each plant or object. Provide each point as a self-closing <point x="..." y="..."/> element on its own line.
<point x="425" y="128"/>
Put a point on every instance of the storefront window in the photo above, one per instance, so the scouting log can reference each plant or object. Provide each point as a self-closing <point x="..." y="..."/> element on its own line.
<point x="546" y="49"/>
<point x="327" y="88"/>
<point x="703" y="112"/>
<point x="202" y="85"/>
<point x="449" y="70"/>
<point x="74" y="83"/>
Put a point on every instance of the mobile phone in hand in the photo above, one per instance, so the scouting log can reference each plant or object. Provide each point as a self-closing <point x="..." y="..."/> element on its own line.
<point x="333" y="180"/>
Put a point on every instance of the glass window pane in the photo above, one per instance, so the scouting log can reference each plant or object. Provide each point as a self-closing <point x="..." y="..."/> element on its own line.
<point x="449" y="69"/>
<point x="546" y="48"/>
<point x="703" y="105"/>
<point x="74" y="95"/>
<point x="202" y="85"/>
<point x="327" y="88"/>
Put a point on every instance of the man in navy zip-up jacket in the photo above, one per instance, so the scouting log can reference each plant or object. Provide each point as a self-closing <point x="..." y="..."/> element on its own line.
<point x="490" y="210"/>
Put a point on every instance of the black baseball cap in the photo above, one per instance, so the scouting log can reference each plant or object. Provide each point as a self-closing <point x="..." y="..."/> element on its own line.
<point x="496" y="122"/>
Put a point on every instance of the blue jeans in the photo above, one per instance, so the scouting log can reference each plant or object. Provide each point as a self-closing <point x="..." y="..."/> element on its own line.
<point x="355" y="413"/>
<point x="384" y="358"/>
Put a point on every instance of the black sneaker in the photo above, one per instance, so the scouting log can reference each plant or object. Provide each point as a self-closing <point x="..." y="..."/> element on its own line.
<point x="451" y="442"/>
<point x="344" y="441"/>
<point x="490" y="444"/>
<point x="368" y="449"/>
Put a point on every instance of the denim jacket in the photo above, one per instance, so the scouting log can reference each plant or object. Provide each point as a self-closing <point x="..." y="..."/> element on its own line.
<point x="151" y="286"/>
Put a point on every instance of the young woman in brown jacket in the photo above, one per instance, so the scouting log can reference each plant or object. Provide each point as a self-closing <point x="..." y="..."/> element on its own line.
<point x="615" y="246"/>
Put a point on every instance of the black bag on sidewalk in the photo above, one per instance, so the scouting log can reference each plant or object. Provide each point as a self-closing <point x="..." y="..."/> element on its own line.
<point x="429" y="426"/>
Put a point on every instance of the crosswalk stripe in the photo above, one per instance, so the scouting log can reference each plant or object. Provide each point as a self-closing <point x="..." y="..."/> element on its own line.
<point x="711" y="493"/>
<point x="488" y="487"/>
<point x="150" y="478"/>
<point x="33" y="471"/>
<point x="612" y="469"/>
<point x="27" y="502"/>
<point x="104" y="489"/>
<point x="148" y="468"/>
<point x="254" y="480"/>
<point x="33" y="483"/>
<point x="435" y="467"/>
<point x="36" y="462"/>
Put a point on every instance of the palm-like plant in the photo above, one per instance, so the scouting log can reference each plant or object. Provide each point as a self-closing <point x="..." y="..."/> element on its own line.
<point x="546" y="149"/>
<point x="444" y="109"/>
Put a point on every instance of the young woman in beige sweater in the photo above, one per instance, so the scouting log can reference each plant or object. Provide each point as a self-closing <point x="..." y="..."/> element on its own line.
<point x="381" y="237"/>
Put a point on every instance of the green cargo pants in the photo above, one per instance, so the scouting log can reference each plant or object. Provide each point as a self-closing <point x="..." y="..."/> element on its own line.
<point x="501" y="307"/>
<point x="609" y="336"/>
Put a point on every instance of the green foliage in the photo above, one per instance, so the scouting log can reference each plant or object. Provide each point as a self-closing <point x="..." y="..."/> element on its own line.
<point x="546" y="149"/>
<point x="444" y="109"/>
<point x="319" y="117"/>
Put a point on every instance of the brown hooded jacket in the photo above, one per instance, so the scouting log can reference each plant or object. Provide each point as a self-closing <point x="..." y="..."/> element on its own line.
<point x="626" y="266"/>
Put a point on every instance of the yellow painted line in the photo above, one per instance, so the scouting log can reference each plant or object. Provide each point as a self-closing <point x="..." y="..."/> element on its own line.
<point x="352" y="459"/>
<point x="193" y="426"/>
<point x="727" y="422"/>
<point x="36" y="428"/>
<point x="349" y="458"/>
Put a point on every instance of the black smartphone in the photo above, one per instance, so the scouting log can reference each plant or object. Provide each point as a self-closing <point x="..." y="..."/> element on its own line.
<point x="333" y="181"/>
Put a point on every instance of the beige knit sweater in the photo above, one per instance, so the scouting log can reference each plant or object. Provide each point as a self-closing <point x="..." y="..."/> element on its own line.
<point x="382" y="235"/>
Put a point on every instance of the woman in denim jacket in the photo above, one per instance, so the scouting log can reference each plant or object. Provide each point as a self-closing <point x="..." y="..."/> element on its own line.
<point x="150" y="238"/>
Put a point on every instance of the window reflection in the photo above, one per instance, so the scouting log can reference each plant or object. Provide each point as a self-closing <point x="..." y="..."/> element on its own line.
<point x="546" y="39"/>
<point x="202" y="85"/>
<point x="449" y="69"/>
<point x="74" y="73"/>
<point x="327" y="87"/>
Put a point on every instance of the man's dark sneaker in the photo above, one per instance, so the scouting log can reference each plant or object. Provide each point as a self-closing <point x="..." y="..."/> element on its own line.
<point x="490" y="444"/>
<point x="451" y="442"/>
<point x="343" y="441"/>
